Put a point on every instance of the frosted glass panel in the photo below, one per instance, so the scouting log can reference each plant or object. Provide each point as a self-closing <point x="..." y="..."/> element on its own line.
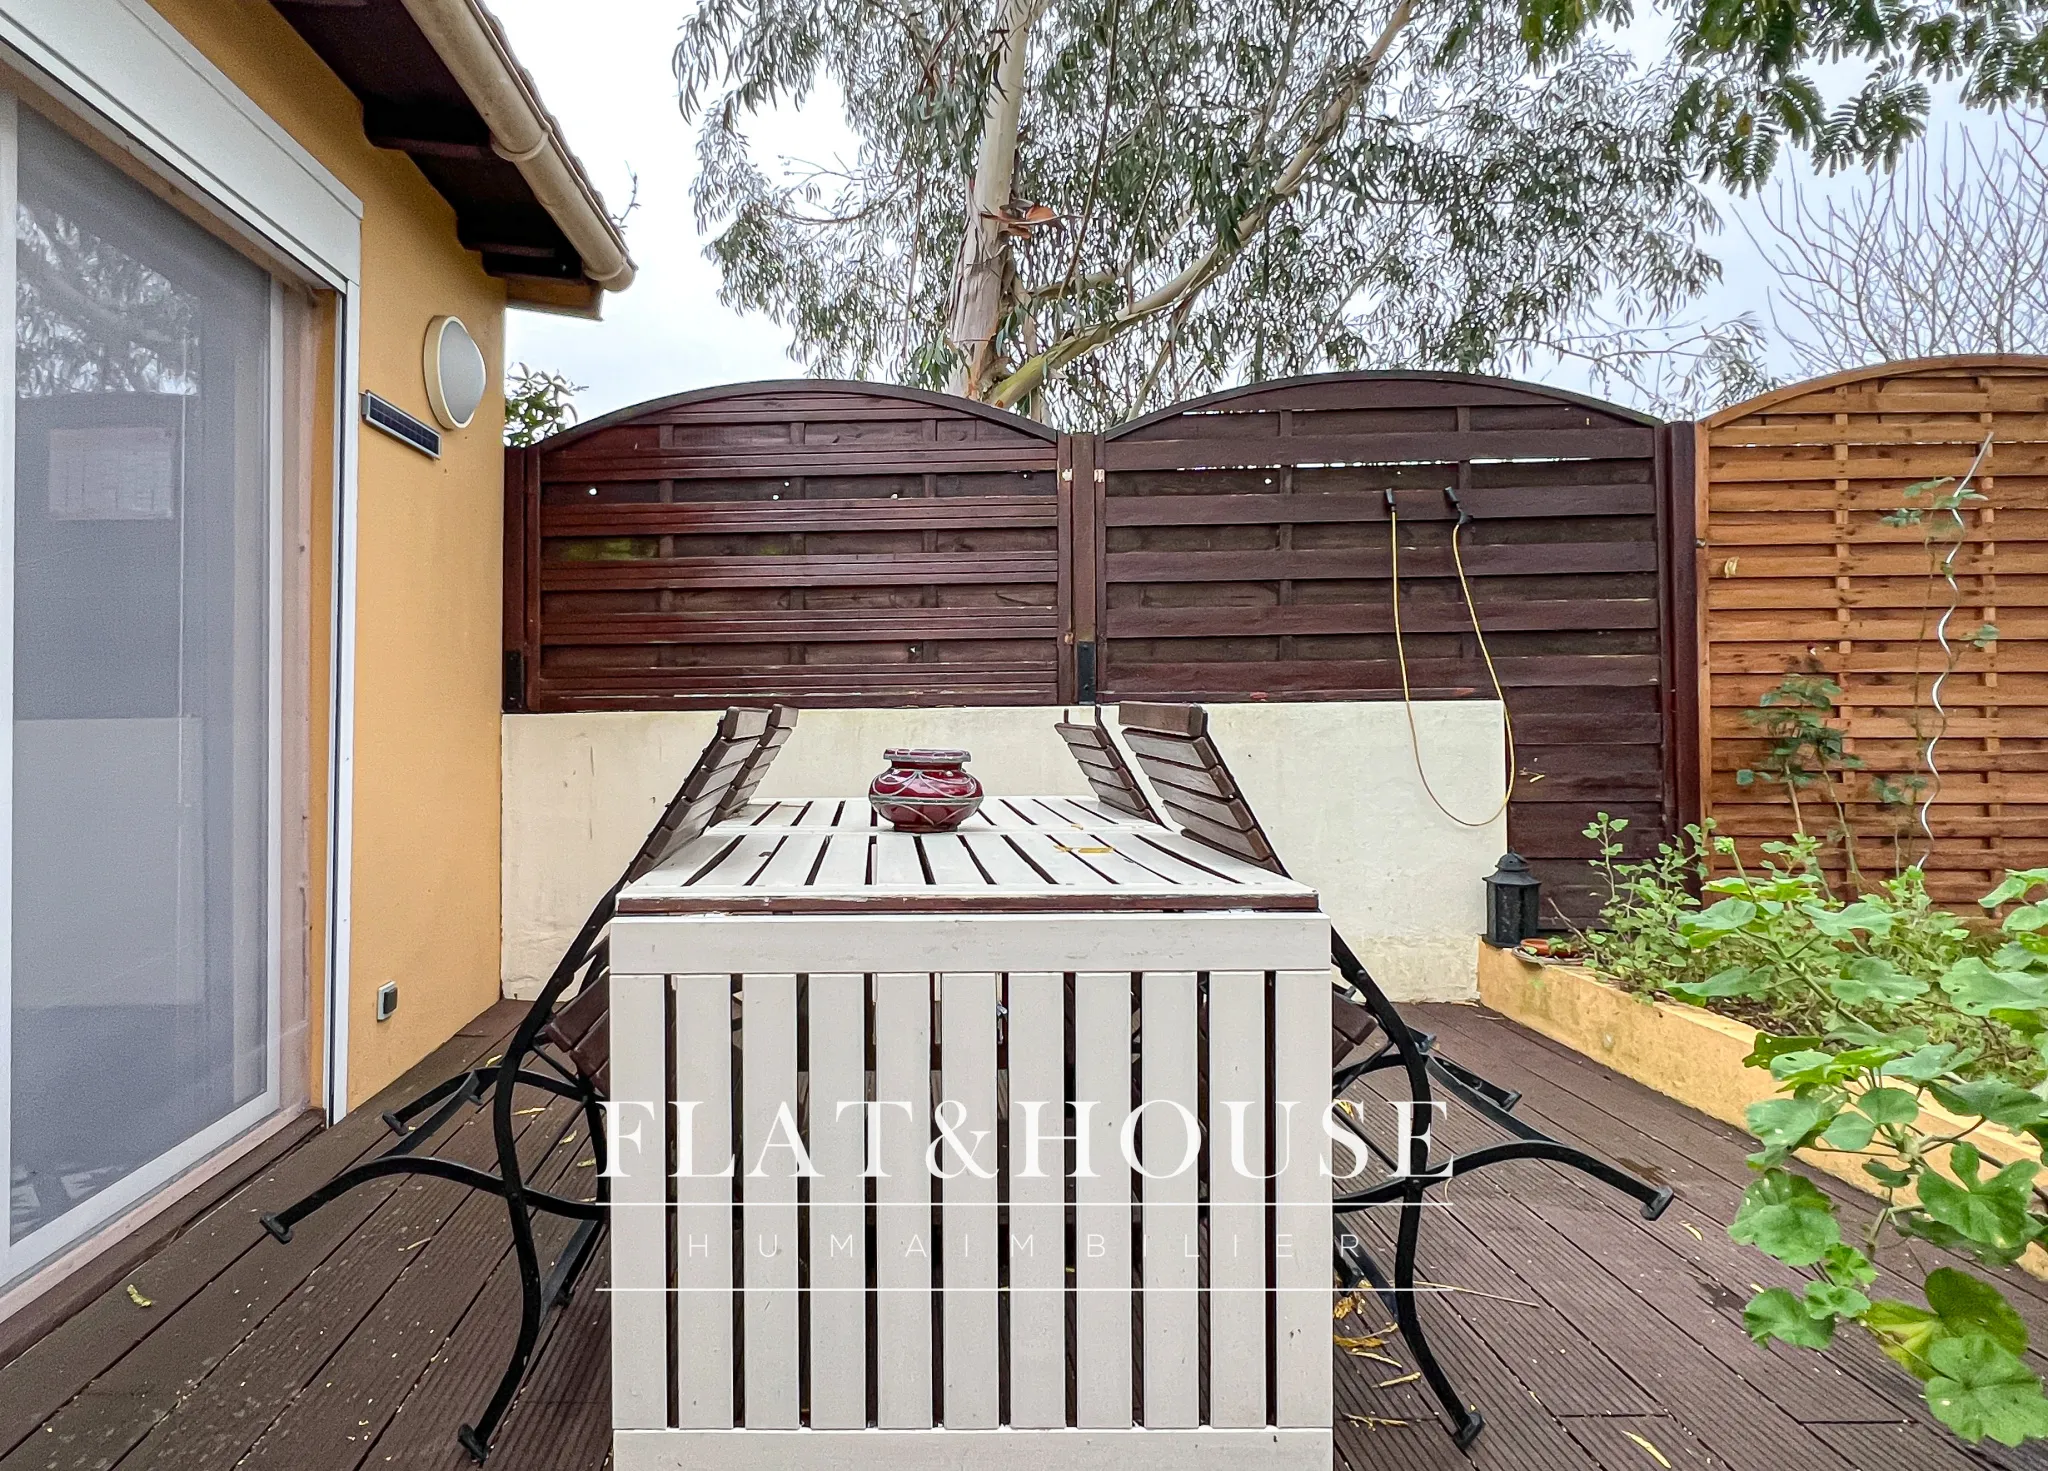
<point x="139" y="976"/>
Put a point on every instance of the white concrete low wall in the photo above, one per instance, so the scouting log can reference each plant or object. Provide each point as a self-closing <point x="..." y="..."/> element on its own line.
<point x="1334" y="783"/>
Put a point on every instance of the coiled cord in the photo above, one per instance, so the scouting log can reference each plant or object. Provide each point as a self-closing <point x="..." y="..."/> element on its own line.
<point x="1401" y="655"/>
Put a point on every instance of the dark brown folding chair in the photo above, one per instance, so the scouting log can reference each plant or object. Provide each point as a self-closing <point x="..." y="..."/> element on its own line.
<point x="1368" y="1035"/>
<point x="571" y="1039"/>
<point x="781" y="721"/>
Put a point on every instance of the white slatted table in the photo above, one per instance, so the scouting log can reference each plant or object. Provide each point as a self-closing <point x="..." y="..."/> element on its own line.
<point x="857" y="1053"/>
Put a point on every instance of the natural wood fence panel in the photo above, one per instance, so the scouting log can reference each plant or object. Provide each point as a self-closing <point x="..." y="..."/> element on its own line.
<point x="817" y="543"/>
<point x="1799" y="572"/>
<point x="1245" y="554"/>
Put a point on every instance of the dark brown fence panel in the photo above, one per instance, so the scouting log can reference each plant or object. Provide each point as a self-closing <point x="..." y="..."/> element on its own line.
<point x="1245" y="548"/>
<point x="822" y="543"/>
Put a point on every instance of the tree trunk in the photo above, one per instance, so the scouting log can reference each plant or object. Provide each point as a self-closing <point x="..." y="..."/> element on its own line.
<point x="980" y="273"/>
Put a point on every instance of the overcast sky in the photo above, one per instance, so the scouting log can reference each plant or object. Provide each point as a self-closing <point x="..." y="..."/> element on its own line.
<point x="603" y="68"/>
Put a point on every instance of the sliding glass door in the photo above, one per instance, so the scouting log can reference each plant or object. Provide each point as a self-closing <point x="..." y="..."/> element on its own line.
<point x="138" y="633"/>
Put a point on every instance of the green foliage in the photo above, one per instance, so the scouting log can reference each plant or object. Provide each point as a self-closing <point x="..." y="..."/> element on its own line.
<point x="1877" y="1011"/>
<point x="1806" y="749"/>
<point x="1880" y="1008"/>
<point x="1980" y="1389"/>
<point x="1751" y="85"/>
<point x="1638" y="943"/>
<point x="1207" y="191"/>
<point x="1461" y="205"/>
<point x="537" y="404"/>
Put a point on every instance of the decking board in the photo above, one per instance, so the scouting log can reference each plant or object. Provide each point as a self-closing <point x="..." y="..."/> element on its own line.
<point x="1636" y="1332"/>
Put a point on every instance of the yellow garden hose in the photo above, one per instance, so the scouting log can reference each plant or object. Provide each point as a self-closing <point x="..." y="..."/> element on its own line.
<point x="1401" y="654"/>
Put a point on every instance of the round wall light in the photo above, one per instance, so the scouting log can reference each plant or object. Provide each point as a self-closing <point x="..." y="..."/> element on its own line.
<point x="456" y="376"/>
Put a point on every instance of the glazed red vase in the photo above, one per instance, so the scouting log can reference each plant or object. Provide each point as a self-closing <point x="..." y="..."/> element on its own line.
<point x="925" y="791"/>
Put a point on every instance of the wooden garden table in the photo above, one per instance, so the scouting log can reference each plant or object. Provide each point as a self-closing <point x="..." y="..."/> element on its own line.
<point x="937" y="1278"/>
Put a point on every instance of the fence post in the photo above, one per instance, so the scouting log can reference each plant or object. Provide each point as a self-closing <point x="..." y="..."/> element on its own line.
<point x="1081" y="562"/>
<point x="522" y="595"/>
<point x="1679" y="553"/>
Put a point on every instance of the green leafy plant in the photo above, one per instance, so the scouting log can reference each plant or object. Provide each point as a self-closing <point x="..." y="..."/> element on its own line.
<point x="1899" y="1034"/>
<point x="537" y="404"/>
<point x="1639" y="944"/>
<point x="1806" y="749"/>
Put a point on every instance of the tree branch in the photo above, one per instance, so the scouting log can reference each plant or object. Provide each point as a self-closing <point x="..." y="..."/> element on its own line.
<point x="1205" y="268"/>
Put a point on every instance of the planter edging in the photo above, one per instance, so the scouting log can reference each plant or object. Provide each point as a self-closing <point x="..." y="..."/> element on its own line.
<point x="1689" y="1055"/>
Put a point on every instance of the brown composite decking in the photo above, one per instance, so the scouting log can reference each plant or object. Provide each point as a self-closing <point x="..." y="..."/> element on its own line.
<point x="1589" y="1338"/>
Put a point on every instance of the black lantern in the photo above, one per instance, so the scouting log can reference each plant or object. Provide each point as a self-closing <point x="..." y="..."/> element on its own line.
<point x="1514" y="898"/>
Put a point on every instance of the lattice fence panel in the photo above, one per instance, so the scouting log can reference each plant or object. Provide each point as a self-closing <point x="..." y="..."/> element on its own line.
<point x="1801" y="574"/>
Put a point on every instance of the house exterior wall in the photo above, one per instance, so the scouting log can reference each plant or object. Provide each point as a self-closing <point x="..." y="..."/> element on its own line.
<point x="426" y="804"/>
<point x="1334" y="783"/>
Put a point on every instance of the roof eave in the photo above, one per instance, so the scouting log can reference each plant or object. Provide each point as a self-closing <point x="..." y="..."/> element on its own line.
<point x="473" y="47"/>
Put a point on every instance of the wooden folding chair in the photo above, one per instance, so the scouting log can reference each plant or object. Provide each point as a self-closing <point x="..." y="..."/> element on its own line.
<point x="1105" y="768"/>
<point x="781" y="721"/>
<point x="571" y="1039"/>
<point x="1368" y="1035"/>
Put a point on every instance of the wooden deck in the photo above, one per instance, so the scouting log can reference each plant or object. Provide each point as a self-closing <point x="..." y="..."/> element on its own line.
<point x="1590" y="1339"/>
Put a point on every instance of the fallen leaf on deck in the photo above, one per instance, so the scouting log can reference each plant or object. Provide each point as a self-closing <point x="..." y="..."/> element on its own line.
<point x="1653" y="1453"/>
<point x="137" y="1298"/>
<point x="417" y="1244"/>
<point x="1344" y="1305"/>
<point x="1370" y="1422"/>
<point x="1404" y="1379"/>
<point x="582" y="1162"/>
<point x="529" y="1112"/>
<point x="1694" y="1229"/>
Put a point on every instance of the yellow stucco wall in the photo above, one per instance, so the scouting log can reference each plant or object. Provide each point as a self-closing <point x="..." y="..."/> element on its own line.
<point x="426" y="883"/>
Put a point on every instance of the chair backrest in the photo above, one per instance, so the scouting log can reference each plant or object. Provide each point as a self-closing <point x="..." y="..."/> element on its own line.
<point x="1104" y="765"/>
<point x="781" y="721"/>
<point x="577" y="1027"/>
<point x="705" y="791"/>
<point x="1172" y="744"/>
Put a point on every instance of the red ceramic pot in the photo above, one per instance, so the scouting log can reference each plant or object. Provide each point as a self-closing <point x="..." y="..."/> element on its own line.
<point x="925" y="791"/>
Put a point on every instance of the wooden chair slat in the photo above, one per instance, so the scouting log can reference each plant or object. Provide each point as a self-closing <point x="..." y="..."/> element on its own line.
<point x="593" y="1054"/>
<point x="574" y="1020"/>
<point x="704" y="791"/>
<point x="781" y="722"/>
<point x="1103" y="765"/>
<point x="1185" y="721"/>
<point x="1352" y="1026"/>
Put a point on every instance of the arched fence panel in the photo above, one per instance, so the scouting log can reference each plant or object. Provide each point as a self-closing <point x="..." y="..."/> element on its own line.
<point x="858" y="544"/>
<point x="1247" y="552"/>
<point x="1831" y="524"/>
<point x="815" y="542"/>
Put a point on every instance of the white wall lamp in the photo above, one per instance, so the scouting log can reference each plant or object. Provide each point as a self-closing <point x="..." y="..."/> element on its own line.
<point x="455" y="372"/>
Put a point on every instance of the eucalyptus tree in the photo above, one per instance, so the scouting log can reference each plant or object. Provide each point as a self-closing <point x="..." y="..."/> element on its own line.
<point x="1087" y="207"/>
